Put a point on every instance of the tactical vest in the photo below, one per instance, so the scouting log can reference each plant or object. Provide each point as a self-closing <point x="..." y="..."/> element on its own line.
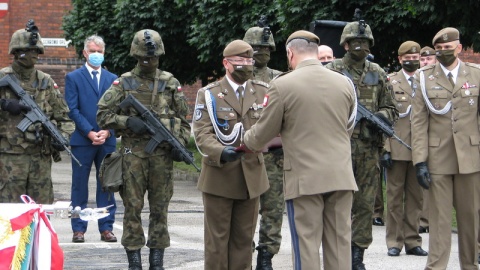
<point x="368" y="85"/>
<point x="34" y="140"/>
<point x="159" y="101"/>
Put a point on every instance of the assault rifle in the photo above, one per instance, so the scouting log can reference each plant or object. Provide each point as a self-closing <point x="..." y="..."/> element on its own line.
<point x="35" y="115"/>
<point x="157" y="130"/>
<point x="387" y="129"/>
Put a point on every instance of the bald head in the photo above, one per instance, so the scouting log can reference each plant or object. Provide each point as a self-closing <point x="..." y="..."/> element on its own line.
<point x="325" y="54"/>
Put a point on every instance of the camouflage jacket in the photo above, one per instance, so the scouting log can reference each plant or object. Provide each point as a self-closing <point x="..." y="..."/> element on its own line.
<point x="167" y="102"/>
<point x="47" y="96"/>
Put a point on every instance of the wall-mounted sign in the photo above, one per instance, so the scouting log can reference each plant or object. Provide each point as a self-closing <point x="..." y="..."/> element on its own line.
<point x="55" y="42"/>
<point x="3" y="8"/>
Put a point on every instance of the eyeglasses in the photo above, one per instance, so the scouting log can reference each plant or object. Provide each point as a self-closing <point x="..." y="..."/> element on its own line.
<point x="247" y="61"/>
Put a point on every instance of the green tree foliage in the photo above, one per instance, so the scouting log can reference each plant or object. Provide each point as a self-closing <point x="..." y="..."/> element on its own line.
<point x="195" y="32"/>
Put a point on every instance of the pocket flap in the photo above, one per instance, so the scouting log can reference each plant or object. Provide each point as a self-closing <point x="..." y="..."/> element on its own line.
<point x="433" y="141"/>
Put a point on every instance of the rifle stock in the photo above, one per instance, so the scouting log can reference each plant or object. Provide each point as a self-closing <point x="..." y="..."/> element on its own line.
<point x="157" y="130"/>
<point x="364" y="113"/>
<point x="35" y="115"/>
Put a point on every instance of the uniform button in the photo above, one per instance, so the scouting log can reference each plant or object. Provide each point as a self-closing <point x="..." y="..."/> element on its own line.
<point x="455" y="131"/>
<point x="454" y="96"/>
<point x="454" y="108"/>
<point x="455" y="119"/>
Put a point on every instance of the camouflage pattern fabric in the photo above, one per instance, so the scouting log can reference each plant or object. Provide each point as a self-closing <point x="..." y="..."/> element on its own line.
<point x="272" y="205"/>
<point x="366" y="172"/>
<point x="143" y="172"/>
<point x="27" y="156"/>
<point x="26" y="174"/>
<point x="137" y="173"/>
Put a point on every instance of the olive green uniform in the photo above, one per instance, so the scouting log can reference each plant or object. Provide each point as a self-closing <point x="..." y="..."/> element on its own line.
<point x="26" y="157"/>
<point x="144" y="172"/>
<point x="374" y="92"/>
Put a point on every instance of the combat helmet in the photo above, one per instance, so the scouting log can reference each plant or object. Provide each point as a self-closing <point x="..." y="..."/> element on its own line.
<point x="259" y="36"/>
<point x="356" y="30"/>
<point x="28" y="38"/>
<point x="147" y="43"/>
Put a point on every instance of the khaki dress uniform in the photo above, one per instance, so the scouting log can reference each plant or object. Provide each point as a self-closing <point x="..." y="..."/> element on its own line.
<point x="404" y="195"/>
<point x="449" y="141"/>
<point x="231" y="190"/>
<point x="317" y="160"/>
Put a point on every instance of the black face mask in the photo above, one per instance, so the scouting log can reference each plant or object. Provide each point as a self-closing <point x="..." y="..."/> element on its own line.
<point x="411" y="65"/>
<point x="243" y="73"/>
<point x="26" y="58"/>
<point x="147" y="65"/>
<point x="261" y="59"/>
<point x="326" y="63"/>
<point x="359" y="49"/>
<point x="446" y="57"/>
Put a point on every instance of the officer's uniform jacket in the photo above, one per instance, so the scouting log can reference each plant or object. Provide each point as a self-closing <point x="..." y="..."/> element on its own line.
<point x="310" y="108"/>
<point x="402" y="93"/>
<point x="449" y="142"/>
<point x="244" y="178"/>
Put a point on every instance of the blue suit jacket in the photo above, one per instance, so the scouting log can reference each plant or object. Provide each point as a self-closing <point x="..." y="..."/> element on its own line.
<point x="82" y="99"/>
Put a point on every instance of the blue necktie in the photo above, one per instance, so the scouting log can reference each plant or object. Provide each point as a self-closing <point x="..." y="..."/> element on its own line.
<point x="95" y="80"/>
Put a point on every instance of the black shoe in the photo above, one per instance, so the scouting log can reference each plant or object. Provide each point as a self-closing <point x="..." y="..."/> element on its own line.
<point x="264" y="259"/>
<point x="378" y="221"/>
<point x="417" y="251"/>
<point x="156" y="259"/>
<point x="422" y="229"/>
<point x="134" y="259"/>
<point x="357" y="258"/>
<point x="393" y="252"/>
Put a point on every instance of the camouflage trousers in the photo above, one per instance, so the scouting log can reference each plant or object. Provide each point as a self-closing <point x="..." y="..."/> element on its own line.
<point x="152" y="174"/>
<point x="26" y="174"/>
<point x="272" y="205"/>
<point x="367" y="173"/>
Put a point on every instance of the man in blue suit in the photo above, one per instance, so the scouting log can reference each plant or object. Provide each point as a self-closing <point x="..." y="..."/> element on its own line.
<point x="89" y="143"/>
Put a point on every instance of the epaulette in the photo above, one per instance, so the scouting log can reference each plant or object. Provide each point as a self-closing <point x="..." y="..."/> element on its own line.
<point x="472" y="65"/>
<point x="337" y="71"/>
<point x="281" y="74"/>
<point x="261" y="83"/>
<point x="211" y="85"/>
<point x="393" y="74"/>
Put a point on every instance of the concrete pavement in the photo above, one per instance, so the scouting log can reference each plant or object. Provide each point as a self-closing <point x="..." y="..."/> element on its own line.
<point x="186" y="233"/>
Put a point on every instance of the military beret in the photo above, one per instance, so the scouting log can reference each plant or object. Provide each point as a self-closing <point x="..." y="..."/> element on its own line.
<point x="306" y="35"/>
<point x="408" y="47"/>
<point x="446" y="35"/>
<point x="238" y="48"/>
<point x="426" y="51"/>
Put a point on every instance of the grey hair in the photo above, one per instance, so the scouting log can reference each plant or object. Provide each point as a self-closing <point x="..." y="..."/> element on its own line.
<point x="302" y="46"/>
<point x="95" y="39"/>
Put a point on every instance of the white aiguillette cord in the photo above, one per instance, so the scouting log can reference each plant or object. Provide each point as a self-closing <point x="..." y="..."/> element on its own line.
<point x="444" y="110"/>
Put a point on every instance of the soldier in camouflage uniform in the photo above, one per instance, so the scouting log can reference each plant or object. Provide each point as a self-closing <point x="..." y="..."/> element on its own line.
<point x="374" y="92"/>
<point x="26" y="157"/>
<point x="160" y="92"/>
<point x="272" y="203"/>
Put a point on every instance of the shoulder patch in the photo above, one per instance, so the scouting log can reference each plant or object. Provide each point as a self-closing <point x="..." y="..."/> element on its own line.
<point x="260" y="83"/>
<point x="108" y="96"/>
<point x="55" y="85"/>
<point x="116" y="82"/>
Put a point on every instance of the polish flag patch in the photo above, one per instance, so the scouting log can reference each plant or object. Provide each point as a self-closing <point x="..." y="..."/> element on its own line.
<point x="116" y="82"/>
<point x="265" y="101"/>
<point x="55" y="86"/>
<point x="179" y="88"/>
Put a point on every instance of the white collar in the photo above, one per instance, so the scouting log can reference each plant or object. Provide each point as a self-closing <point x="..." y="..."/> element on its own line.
<point x="235" y="85"/>
<point x="90" y="69"/>
<point x="454" y="71"/>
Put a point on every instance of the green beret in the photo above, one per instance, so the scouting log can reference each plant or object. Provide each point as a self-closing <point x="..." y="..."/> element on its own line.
<point x="446" y="35"/>
<point x="408" y="47"/>
<point x="306" y="35"/>
<point x="426" y="51"/>
<point x="238" y="48"/>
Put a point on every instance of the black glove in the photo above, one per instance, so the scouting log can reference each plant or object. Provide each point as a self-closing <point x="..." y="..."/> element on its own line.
<point x="229" y="154"/>
<point x="386" y="160"/>
<point x="383" y="118"/>
<point x="13" y="106"/>
<point x="136" y="125"/>
<point x="423" y="176"/>
<point x="58" y="146"/>
<point x="177" y="156"/>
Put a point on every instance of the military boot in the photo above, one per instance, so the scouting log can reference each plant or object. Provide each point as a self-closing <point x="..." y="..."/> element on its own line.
<point x="357" y="258"/>
<point x="134" y="259"/>
<point x="156" y="259"/>
<point x="264" y="259"/>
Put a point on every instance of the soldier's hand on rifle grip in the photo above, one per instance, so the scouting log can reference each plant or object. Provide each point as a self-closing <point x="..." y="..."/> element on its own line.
<point x="136" y="125"/>
<point x="13" y="106"/>
<point x="178" y="157"/>
<point x="386" y="160"/>
<point x="229" y="154"/>
<point x="384" y="118"/>
<point x="423" y="175"/>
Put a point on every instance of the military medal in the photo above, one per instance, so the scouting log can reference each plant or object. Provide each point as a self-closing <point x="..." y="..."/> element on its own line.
<point x="394" y="82"/>
<point x="220" y="95"/>
<point x="431" y="77"/>
<point x="471" y="101"/>
<point x="231" y="115"/>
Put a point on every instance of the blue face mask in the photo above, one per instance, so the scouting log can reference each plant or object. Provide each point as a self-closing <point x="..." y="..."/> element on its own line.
<point x="95" y="59"/>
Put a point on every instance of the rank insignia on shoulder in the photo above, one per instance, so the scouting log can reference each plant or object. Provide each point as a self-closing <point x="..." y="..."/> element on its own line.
<point x="260" y="83"/>
<point x="55" y="85"/>
<point x="265" y="101"/>
<point x="116" y="82"/>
